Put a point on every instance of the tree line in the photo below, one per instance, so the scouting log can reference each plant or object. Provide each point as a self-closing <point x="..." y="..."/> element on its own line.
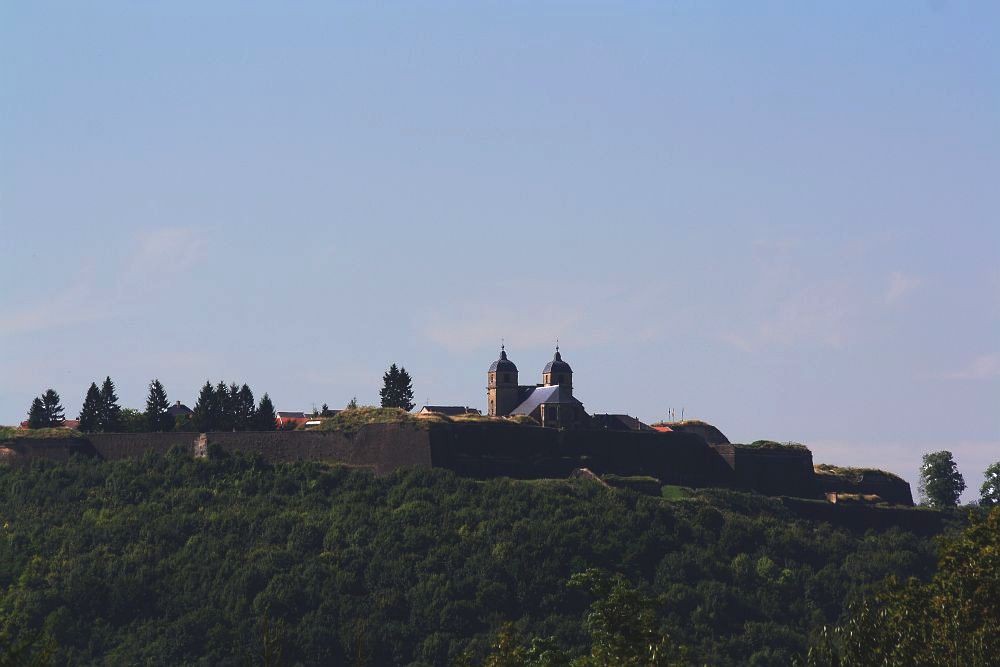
<point x="220" y="407"/>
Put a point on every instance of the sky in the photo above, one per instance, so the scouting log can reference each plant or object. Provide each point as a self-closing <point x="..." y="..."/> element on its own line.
<point x="780" y="217"/>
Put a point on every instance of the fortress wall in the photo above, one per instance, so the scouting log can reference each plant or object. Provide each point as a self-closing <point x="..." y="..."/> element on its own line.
<point x="21" y="451"/>
<point x="776" y="472"/>
<point x="491" y="450"/>
<point x="117" y="446"/>
<point x="888" y="487"/>
<point x="860" y="518"/>
<point x="384" y="447"/>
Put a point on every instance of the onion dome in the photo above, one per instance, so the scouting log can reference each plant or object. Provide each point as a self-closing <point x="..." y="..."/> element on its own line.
<point x="503" y="364"/>
<point x="557" y="365"/>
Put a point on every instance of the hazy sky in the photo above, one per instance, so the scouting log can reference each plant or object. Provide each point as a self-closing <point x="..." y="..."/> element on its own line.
<point x="782" y="217"/>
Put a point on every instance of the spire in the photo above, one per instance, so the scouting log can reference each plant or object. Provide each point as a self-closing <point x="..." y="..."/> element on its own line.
<point x="503" y="349"/>
<point x="557" y="357"/>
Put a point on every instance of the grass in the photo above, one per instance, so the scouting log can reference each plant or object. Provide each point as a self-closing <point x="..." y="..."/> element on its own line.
<point x="11" y="432"/>
<point x="776" y="446"/>
<point x="674" y="492"/>
<point x="851" y="473"/>
<point x="354" y="418"/>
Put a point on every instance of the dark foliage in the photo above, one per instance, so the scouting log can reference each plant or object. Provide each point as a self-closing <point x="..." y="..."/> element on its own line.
<point x="46" y="411"/>
<point x="397" y="389"/>
<point x="232" y="561"/>
<point x="265" y="418"/>
<point x="157" y="418"/>
<point x="90" y="413"/>
<point x="941" y="484"/>
<point x="111" y="411"/>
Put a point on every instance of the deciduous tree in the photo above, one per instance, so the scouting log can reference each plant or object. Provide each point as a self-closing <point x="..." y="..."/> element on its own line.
<point x="941" y="484"/>
<point x="989" y="492"/>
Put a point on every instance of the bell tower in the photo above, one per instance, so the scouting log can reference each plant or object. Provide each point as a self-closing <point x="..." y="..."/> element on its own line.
<point x="501" y="386"/>
<point x="558" y="372"/>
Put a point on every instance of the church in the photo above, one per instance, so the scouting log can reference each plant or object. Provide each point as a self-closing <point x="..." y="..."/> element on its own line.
<point x="550" y="403"/>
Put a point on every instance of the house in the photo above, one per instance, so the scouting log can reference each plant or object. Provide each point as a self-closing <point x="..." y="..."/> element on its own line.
<point x="178" y="409"/>
<point x="448" y="410"/>
<point x="619" y="423"/>
<point x="291" y="419"/>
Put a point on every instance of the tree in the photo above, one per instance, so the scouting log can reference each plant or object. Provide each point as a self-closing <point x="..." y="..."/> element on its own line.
<point x="941" y="484"/>
<point x="226" y="397"/>
<point x="206" y="410"/>
<point x="265" y="419"/>
<point x="989" y="492"/>
<point x="245" y="409"/>
<point x="36" y="414"/>
<point x="324" y="411"/>
<point x="111" y="411"/>
<point x="353" y="404"/>
<point x="157" y="404"/>
<point x="950" y="620"/>
<point x="397" y="389"/>
<point x="54" y="413"/>
<point x="132" y="421"/>
<point x="90" y="413"/>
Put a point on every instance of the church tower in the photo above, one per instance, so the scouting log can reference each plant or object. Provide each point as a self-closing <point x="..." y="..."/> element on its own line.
<point x="501" y="389"/>
<point x="558" y="372"/>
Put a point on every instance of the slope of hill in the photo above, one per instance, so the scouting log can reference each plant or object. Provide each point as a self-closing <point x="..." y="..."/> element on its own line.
<point x="171" y="560"/>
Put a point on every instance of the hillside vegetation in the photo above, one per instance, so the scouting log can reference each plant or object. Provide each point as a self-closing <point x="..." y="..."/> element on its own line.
<point x="232" y="561"/>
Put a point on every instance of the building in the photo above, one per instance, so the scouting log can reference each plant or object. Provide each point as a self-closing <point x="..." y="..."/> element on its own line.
<point x="448" y="410"/>
<point x="550" y="403"/>
<point x="178" y="409"/>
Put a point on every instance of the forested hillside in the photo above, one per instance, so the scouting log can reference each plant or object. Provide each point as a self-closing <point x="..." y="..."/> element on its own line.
<point x="232" y="561"/>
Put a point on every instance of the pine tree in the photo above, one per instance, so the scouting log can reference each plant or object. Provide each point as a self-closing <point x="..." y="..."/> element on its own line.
<point x="90" y="413"/>
<point x="54" y="413"/>
<point x="353" y="404"/>
<point x="324" y="411"/>
<point x="36" y="415"/>
<point x="157" y="418"/>
<point x="224" y="396"/>
<point x="265" y="419"/>
<point x="397" y="389"/>
<point x="245" y="409"/>
<point x="206" y="409"/>
<point x="111" y="412"/>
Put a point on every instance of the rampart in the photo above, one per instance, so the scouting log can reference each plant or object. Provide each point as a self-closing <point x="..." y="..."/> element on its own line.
<point x="485" y="450"/>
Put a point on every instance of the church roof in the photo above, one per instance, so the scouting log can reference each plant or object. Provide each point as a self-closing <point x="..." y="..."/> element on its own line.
<point x="557" y="365"/>
<point x="543" y="396"/>
<point x="503" y="364"/>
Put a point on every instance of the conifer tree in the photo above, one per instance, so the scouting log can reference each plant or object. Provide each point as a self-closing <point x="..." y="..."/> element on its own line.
<point x="111" y="411"/>
<point x="352" y="404"/>
<point x="90" y="413"/>
<point x="224" y="396"/>
<point x="324" y="411"/>
<point x="36" y="414"/>
<point x="54" y="413"/>
<point x="245" y="409"/>
<point x="205" y="410"/>
<point x="397" y="389"/>
<point x="265" y="419"/>
<point x="157" y="418"/>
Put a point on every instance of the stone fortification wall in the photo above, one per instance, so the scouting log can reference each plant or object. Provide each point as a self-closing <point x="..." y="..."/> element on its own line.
<point x="888" y="487"/>
<point x="492" y="450"/>
<point x="382" y="447"/>
<point x="776" y="472"/>
<point x="861" y="518"/>
<point x="19" y="451"/>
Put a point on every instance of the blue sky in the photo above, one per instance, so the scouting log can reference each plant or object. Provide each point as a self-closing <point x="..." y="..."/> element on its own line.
<point x="782" y="217"/>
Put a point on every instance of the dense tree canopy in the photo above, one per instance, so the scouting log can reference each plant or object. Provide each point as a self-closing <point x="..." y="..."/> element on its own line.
<point x="171" y="560"/>
<point x="90" y="413"/>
